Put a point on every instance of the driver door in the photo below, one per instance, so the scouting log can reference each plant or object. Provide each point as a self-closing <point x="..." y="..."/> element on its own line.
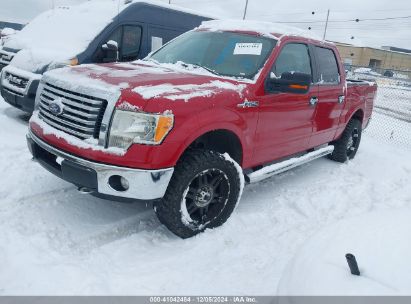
<point x="285" y="121"/>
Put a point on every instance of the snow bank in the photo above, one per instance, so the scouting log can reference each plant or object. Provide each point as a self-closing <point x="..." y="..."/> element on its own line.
<point x="188" y="91"/>
<point x="261" y="27"/>
<point x="62" y="33"/>
<point x="380" y="242"/>
<point x="366" y="71"/>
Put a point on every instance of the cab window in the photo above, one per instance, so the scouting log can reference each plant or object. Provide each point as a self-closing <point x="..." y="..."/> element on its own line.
<point x="294" y="57"/>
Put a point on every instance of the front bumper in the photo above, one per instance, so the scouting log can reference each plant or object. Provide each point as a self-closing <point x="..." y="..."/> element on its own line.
<point x="97" y="177"/>
<point x="20" y="101"/>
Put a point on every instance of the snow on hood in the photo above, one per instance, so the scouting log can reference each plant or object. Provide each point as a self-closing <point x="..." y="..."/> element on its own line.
<point x="61" y="34"/>
<point x="261" y="27"/>
<point x="187" y="91"/>
<point x="145" y="78"/>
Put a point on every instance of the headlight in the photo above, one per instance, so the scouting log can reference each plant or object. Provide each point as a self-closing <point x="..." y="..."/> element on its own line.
<point x="62" y="64"/>
<point x="132" y="127"/>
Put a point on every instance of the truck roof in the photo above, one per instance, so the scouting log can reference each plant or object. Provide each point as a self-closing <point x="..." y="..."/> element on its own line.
<point x="269" y="29"/>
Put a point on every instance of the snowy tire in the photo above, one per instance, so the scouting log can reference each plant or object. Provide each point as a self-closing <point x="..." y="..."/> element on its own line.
<point x="347" y="146"/>
<point x="203" y="192"/>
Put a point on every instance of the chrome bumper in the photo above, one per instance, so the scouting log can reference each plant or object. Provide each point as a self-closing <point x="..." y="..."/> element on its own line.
<point x="143" y="184"/>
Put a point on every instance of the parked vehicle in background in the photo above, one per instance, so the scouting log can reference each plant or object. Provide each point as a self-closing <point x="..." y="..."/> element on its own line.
<point x="6" y="33"/>
<point x="93" y="32"/>
<point x="183" y="127"/>
<point x="389" y="73"/>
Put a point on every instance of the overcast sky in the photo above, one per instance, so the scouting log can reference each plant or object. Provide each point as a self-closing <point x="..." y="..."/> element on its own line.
<point x="393" y="32"/>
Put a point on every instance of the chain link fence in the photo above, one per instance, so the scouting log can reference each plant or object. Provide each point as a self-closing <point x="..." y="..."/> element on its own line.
<point x="391" y="119"/>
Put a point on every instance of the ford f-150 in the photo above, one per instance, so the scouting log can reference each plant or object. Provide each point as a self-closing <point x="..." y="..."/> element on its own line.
<point x="225" y="104"/>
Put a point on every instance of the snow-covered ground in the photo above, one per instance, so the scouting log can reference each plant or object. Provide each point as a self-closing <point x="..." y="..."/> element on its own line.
<point x="54" y="240"/>
<point x="380" y="241"/>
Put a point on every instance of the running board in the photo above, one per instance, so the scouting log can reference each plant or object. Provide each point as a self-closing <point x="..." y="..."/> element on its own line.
<point x="288" y="164"/>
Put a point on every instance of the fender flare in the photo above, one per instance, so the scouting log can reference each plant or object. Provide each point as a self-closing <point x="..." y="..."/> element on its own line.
<point x="201" y="131"/>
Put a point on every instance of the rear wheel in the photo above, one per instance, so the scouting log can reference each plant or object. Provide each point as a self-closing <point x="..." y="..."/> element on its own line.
<point x="347" y="146"/>
<point x="203" y="193"/>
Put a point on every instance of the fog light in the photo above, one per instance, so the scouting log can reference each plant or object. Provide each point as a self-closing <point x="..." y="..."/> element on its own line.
<point x="118" y="183"/>
<point x="124" y="183"/>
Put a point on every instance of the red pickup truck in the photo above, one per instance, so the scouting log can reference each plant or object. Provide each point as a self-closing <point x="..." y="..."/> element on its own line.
<point x="227" y="103"/>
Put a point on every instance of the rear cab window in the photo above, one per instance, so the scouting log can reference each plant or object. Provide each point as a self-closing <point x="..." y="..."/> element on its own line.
<point x="328" y="73"/>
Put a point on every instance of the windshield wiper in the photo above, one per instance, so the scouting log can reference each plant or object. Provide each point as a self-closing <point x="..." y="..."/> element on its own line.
<point x="200" y="67"/>
<point x="151" y="60"/>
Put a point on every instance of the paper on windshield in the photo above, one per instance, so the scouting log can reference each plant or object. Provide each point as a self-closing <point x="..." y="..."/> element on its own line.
<point x="248" y="49"/>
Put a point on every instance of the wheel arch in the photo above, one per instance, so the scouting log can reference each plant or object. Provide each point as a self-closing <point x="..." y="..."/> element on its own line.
<point x="222" y="140"/>
<point x="358" y="114"/>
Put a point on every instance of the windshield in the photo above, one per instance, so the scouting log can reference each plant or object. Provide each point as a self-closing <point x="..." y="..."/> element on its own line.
<point x="222" y="53"/>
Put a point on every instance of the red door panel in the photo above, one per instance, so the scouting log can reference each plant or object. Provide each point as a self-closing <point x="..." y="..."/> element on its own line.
<point x="327" y="114"/>
<point x="284" y="125"/>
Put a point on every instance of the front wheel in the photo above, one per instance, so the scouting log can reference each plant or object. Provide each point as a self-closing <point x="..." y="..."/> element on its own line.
<point x="203" y="192"/>
<point x="347" y="146"/>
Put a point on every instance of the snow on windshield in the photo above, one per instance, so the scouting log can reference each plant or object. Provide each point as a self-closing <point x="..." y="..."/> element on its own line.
<point x="64" y="32"/>
<point x="222" y="53"/>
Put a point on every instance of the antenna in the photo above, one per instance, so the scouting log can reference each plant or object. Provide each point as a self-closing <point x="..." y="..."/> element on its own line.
<point x="326" y="24"/>
<point x="245" y="9"/>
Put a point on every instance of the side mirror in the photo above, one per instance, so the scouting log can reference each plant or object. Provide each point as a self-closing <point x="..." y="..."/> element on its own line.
<point x="110" y="50"/>
<point x="290" y="82"/>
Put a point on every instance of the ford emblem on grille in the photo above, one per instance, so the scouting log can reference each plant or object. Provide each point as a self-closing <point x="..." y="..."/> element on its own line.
<point x="56" y="107"/>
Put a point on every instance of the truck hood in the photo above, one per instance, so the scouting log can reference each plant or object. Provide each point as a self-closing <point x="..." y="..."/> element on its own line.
<point x="147" y="85"/>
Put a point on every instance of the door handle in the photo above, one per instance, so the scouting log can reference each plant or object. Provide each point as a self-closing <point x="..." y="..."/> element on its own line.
<point x="248" y="104"/>
<point x="313" y="101"/>
<point x="341" y="98"/>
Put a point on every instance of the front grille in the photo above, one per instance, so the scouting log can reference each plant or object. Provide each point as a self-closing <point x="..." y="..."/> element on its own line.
<point x="16" y="81"/>
<point x="5" y="58"/>
<point x="79" y="114"/>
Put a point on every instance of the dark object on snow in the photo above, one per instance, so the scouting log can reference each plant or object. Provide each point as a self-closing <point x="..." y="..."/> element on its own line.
<point x="352" y="263"/>
<point x="389" y="73"/>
